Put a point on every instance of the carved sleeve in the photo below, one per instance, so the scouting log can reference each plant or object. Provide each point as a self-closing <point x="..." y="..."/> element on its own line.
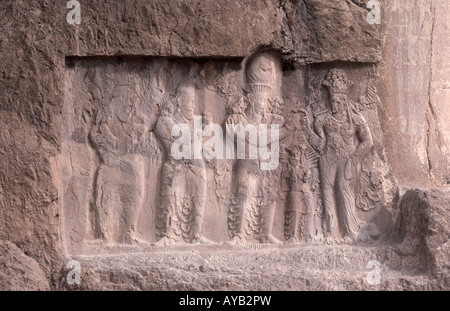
<point x="316" y="137"/>
<point x="365" y="138"/>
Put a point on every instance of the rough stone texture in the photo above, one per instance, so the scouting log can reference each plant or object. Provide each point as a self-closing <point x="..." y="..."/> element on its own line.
<point x="426" y="230"/>
<point x="267" y="268"/>
<point x="18" y="272"/>
<point x="303" y="30"/>
<point x="35" y="41"/>
<point x="322" y="30"/>
<point x="414" y="88"/>
<point x="408" y="53"/>
<point x="28" y="195"/>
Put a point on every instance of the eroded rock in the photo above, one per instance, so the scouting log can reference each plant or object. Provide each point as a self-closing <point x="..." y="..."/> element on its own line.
<point x="19" y="272"/>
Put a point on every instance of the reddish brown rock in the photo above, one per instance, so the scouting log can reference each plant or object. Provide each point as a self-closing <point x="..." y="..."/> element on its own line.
<point x="60" y="83"/>
<point x="19" y="272"/>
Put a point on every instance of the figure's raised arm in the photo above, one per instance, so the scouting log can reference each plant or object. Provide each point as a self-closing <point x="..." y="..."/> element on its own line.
<point x="364" y="136"/>
<point x="316" y="137"/>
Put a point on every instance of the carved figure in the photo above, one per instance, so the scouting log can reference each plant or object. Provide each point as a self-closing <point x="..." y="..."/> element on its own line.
<point x="343" y="139"/>
<point x="252" y="210"/>
<point x="117" y="136"/>
<point x="301" y="182"/>
<point x="183" y="191"/>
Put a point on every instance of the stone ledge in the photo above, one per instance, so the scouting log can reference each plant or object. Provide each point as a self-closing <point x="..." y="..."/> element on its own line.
<point x="272" y="268"/>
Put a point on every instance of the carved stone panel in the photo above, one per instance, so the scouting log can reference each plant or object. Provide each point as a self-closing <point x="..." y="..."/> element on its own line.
<point x="161" y="152"/>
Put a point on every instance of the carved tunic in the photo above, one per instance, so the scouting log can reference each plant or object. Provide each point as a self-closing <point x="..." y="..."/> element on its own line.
<point x="338" y="136"/>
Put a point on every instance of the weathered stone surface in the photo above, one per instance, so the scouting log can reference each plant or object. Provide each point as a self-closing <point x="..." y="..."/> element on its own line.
<point x="18" y="272"/>
<point x="36" y="39"/>
<point x="413" y="86"/>
<point x="426" y="230"/>
<point x="28" y="191"/>
<point x="253" y="269"/>
<point x="332" y="30"/>
<point x="307" y="31"/>
<point x="55" y="77"/>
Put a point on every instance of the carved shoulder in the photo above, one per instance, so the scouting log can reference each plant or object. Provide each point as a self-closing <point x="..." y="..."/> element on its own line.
<point x="164" y="127"/>
<point x="362" y="128"/>
<point x="320" y="118"/>
<point x="359" y="119"/>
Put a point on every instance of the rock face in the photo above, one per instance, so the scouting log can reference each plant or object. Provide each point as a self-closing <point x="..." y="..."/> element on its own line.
<point x="18" y="272"/>
<point x="427" y="211"/>
<point x="90" y="115"/>
<point x="414" y="88"/>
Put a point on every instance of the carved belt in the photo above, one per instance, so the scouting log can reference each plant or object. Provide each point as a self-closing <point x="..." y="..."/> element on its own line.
<point x="184" y="162"/>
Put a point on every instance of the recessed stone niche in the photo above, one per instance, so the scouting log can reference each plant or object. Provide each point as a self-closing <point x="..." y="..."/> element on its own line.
<point x="123" y="190"/>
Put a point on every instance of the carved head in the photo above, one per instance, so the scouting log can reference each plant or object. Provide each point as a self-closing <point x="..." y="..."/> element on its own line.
<point x="337" y="84"/>
<point x="338" y="102"/>
<point x="261" y="72"/>
<point x="185" y="100"/>
<point x="240" y="105"/>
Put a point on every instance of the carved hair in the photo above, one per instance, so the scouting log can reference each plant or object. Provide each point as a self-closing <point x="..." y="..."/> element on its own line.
<point x="276" y="105"/>
<point x="337" y="82"/>
<point x="166" y="107"/>
<point x="185" y="87"/>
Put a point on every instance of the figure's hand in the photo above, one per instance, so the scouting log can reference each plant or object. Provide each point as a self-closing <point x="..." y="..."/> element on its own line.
<point x="306" y="123"/>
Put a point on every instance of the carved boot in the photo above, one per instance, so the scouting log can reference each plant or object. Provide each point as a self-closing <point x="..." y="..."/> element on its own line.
<point x="201" y="240"/>
<point x="165" y="241"/>
<point x="270" y="239"/>
<point x="236" y="240"/>
<point x="294" y="240"/>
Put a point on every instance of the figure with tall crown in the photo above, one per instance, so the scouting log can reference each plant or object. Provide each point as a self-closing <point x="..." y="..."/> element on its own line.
<point x="252" y="213"/>
<point x="343" y="138"/>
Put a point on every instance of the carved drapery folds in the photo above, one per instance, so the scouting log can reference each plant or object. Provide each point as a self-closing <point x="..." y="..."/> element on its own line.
<point x="342" y="137"/>
<point x="252" y="210"/>
<point x="327" y="187"/>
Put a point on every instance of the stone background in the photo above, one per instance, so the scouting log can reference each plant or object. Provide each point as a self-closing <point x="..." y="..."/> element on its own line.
<point x="409" y="49"/>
